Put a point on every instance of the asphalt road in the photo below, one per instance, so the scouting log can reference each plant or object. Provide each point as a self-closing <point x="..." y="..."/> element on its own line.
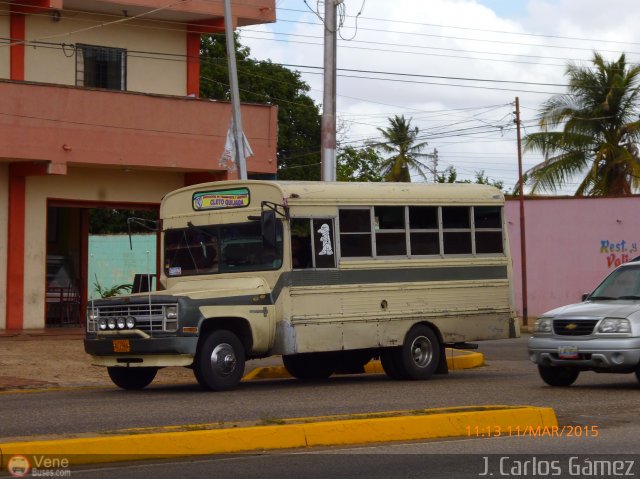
<point x="605" y="401"/>
<point x="457" y="458"/>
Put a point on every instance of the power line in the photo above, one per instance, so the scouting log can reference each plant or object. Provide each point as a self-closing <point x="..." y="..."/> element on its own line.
<point x="423" y="24"/>
<point x="483" y="40"/>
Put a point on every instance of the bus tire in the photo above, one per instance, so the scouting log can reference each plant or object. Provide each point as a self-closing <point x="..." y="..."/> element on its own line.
<point x="131" y="378"/>
<point x="558" y="376"/>
<point x="388" y="361"/>
<point x="310" y="366"/>
<point x="219" y="362"/>
<point x="352" y="362"/>
<point x="419" y="356"/>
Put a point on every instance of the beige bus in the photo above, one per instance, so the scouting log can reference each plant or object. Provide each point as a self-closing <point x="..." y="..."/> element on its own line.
<point x="328" y="275"/>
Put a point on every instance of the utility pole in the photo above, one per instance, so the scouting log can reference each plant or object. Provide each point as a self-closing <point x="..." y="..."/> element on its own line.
<point x="238" y="134"/>
<point x="434" y="170"/>
<point x="329" y="97"/>
<point x="523" y="242"/>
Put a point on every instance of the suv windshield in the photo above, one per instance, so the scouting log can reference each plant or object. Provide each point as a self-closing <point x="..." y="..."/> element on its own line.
<point x="623" y="283"/>
<point x="219" y="249"/>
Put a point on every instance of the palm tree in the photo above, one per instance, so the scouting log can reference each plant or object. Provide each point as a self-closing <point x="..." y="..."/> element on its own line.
<point x="599" y="134"/>
<point x="400" y="143"/>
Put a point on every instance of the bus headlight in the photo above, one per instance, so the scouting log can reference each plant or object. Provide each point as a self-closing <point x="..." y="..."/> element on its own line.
<point x="111" y="323"/>
<point x="171" y="312"/>
<point x="102" y="324"/>
<point x="122" y="323"/>
<point x="131" y="322"/>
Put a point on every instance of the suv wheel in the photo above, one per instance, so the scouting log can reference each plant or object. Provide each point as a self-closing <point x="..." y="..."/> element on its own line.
<point x="559" y="376"/>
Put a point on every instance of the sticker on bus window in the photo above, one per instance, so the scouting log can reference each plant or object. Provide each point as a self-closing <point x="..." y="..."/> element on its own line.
<point x="175" y="271"/>
<point x="220" y="199"/>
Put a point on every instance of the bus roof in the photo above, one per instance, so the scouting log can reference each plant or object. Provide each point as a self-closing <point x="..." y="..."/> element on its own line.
<point x="351" y="193"/>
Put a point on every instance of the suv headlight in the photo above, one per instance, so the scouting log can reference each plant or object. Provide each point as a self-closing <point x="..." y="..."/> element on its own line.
<point x="543" y="325"/>
<point x="613" y="325"/>
<point x="171" y="312"/>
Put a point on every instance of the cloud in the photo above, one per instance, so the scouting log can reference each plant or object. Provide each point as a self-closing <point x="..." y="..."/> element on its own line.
<point x="442" y="43"/>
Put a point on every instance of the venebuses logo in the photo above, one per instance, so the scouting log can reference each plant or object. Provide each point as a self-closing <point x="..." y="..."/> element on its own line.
<point x="18" y="466"/>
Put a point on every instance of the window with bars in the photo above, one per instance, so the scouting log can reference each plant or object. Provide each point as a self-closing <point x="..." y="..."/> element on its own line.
<point x="101" y="67"/>
<point x="401" y="231"/>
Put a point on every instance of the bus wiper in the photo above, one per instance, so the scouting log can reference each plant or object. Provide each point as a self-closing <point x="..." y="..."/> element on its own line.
<point x="629" y="297"/>
<point x="200" y="230"/>
<point x="600" y="298"/>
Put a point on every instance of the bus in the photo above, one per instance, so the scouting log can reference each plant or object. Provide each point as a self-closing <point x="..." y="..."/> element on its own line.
<point x="329" y="275"/>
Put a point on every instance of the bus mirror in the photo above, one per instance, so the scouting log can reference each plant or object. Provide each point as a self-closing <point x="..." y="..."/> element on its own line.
<point x="268" y="225"/>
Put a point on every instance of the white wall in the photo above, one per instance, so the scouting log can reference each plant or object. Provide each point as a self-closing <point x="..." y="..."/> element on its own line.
<point x="53" y="64"/>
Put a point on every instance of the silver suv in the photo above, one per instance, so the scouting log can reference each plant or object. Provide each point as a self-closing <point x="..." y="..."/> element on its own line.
<point x="602" y="333"/>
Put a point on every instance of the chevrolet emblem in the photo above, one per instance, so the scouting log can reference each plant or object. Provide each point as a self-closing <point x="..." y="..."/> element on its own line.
<point x="571" y="326"/>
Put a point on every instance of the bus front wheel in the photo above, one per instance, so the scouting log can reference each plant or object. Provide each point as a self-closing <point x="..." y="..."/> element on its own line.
<point x="219" y="363"/>
<point x="417" y="358"/>
<point x="131" y="378"/>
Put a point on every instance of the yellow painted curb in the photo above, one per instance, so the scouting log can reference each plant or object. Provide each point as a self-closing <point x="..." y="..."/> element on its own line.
<point x="456" y="359"/>
<point x="405" y="426"/>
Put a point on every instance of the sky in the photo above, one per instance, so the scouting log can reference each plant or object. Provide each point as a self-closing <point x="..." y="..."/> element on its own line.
<point x="454" y="67"/>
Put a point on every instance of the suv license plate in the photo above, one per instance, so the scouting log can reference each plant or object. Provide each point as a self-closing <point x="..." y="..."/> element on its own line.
<point x="121" y="346"/>
<point x="568" y="352"/>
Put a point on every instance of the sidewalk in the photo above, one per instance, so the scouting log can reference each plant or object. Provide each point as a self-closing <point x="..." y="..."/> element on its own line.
<point x="55" y="357"/>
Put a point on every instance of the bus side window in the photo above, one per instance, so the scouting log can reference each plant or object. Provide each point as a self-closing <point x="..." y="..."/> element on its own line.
<point x="301" y="252"/>
<point x="324" y="243"/>
<point x="301" y="255"/>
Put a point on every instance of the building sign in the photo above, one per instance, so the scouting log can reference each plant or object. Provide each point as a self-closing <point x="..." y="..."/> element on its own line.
<point x="618" y="252"/>
<point x="221" y="199"/>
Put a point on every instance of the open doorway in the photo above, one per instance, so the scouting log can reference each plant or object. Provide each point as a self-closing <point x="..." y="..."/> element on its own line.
<point x="89" y="255"/>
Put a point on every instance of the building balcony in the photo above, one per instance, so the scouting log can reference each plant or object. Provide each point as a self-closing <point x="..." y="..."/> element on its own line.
<point x="206" y="12"/>
<point x="64" y="125"/>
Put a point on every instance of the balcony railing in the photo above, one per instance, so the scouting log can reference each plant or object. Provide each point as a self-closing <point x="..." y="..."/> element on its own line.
<point x="68" y="125"/>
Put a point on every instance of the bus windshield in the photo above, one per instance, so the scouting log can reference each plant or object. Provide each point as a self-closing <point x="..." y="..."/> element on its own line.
<point x="215" y="249"/>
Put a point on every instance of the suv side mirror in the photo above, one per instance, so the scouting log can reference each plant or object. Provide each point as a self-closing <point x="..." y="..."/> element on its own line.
<point x="585" y="296"/>
<point x="268" y="227"/>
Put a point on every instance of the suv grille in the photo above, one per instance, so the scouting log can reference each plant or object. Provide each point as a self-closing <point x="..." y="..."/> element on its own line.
<point x="149" y="318"/>
<point x="574" y="327"/>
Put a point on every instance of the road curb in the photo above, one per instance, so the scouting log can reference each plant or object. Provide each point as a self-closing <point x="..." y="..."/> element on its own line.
<point x="307" y="432"/>
<point x="456" y="359"/>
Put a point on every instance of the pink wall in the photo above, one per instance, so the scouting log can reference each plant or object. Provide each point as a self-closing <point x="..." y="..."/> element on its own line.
<point x="572" y="243"/>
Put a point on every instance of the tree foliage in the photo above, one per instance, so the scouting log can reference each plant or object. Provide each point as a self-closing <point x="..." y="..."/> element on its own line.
<point x="298" y="150"/>
<point x="450" y="175"/>
<point x="359" y="165"/>
<point x="591" y="131"/>
<point x="400" y="142"/>
<point x="103" y="221"/>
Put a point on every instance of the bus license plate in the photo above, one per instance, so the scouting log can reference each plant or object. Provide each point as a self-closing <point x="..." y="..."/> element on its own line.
<point x="121" y="346"/>
<point x="568" y="352"/>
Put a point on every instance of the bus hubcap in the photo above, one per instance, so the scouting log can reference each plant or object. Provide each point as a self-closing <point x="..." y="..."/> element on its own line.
<point x="223" y="359"/>
<point x="421" y="351"/>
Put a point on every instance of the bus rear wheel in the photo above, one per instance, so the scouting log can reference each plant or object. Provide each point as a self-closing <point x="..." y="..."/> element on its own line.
<point x="417" y="358"/>
<point x="131" y="378"/>
<point x="388" y="360"/>
<point x="219" y="362"/>
<point x="310" y="366"/>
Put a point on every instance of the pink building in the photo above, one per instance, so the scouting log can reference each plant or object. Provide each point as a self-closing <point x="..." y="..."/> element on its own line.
<point x="571" y="244"/>
<point x="99" y="108"/>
